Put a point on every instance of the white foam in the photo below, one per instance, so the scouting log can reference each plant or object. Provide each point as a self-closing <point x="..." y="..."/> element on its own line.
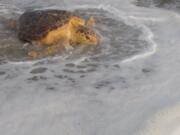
<point x="31" y="62"/>
<point x="148" y="35"/>
<point x="165" y="122"/>
<point x="152" y="19"/>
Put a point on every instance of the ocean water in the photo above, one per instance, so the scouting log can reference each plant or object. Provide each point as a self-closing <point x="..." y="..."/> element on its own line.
<point x="126" y="85"/>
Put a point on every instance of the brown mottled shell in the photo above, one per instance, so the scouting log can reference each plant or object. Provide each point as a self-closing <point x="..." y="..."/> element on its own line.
<point x="35" y="25"/>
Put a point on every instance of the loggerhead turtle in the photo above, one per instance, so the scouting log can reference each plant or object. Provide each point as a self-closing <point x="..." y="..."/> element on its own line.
<point x="55" y="28"/>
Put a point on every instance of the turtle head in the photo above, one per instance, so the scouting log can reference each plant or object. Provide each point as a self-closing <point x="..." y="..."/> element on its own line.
<point x="85" y="35"/>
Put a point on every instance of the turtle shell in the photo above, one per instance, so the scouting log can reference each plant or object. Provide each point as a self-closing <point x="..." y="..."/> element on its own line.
<point x="34" y="25"/>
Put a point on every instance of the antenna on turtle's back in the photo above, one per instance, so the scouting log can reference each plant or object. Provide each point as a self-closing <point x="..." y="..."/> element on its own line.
<point x="90" y="22"/>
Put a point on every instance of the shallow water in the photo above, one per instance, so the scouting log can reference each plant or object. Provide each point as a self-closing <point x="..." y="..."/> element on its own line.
<point x="128" y="84"/>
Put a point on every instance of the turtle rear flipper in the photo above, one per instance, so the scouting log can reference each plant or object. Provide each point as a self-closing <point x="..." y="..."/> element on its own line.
<point x="51" y="50"/>
<point x="10" y="24"/>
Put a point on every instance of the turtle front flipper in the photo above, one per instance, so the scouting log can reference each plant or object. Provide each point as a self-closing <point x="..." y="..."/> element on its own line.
<point x="67" y="46"/>
<point x="76" y="21"/>
<point x="33" y="54"/>
<point x="50" y="50"/>
<point x="90" y="22"/>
